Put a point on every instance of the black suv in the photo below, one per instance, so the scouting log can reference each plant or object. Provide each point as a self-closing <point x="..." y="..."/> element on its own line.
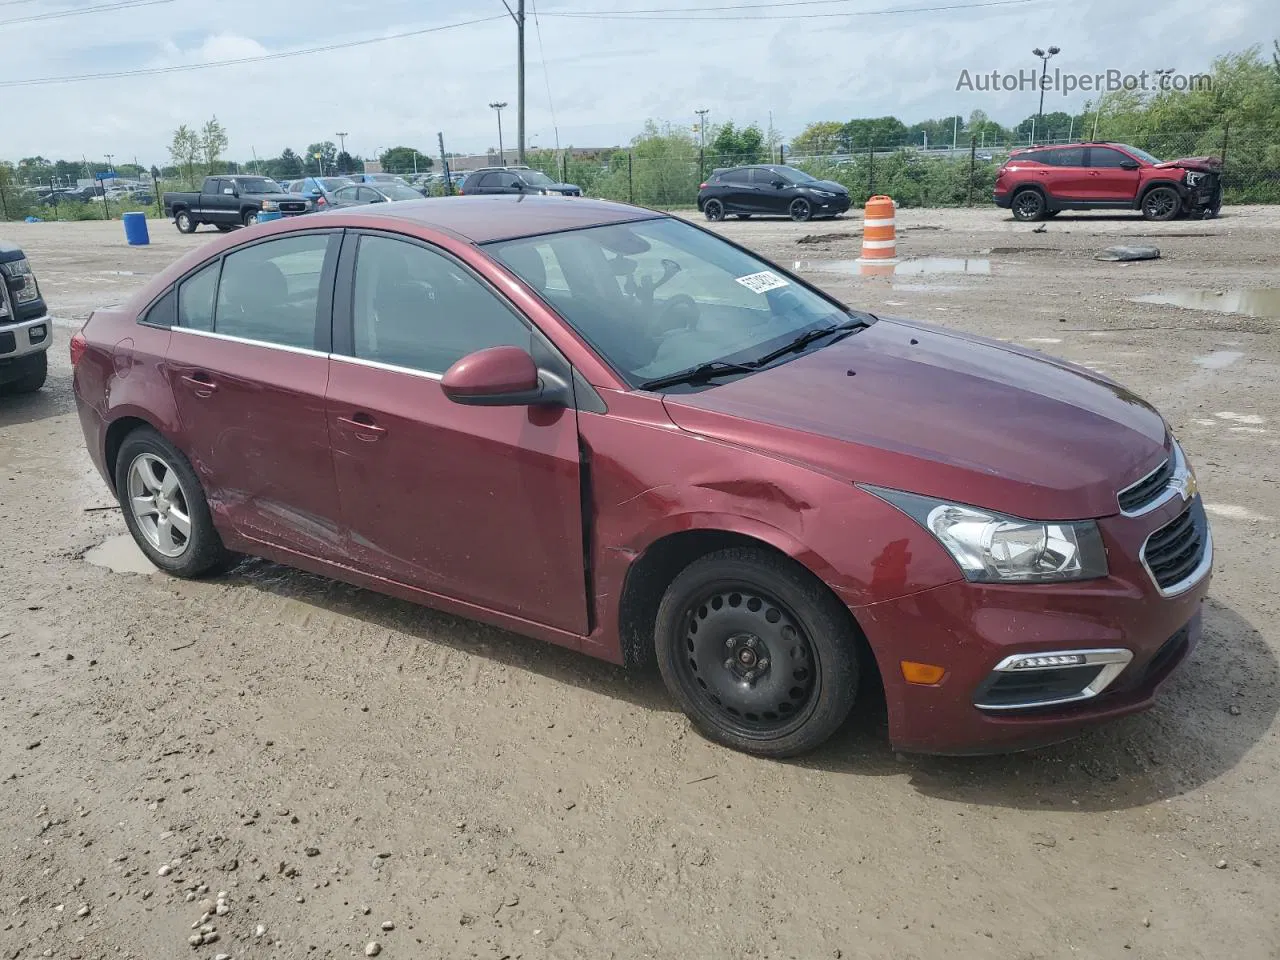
<point x="743" y="191"/>
<point x="514" y="180"/>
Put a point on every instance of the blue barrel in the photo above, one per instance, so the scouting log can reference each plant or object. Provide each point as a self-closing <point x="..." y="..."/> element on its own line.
<point x="135" y="229"/>
<point x="265" y="215"/>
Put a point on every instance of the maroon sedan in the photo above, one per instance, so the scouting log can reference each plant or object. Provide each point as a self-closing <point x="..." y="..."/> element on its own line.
<point x="610" y="429"/>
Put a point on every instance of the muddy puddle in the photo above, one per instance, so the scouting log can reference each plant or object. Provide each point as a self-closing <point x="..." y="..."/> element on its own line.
<point x="120" y="555"/>
<point x="1261" y="302"/>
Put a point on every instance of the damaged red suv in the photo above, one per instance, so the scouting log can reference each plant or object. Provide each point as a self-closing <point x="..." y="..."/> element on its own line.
<point x="1039" y="182"/>
<point x="610" y="429"/>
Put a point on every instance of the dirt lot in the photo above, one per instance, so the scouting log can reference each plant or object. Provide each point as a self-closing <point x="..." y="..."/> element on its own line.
<point x="332" y="760"/>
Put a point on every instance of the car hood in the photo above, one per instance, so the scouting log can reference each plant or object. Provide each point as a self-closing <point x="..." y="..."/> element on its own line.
<point x="1203" y="164"/>
<point x="562" y="187"/>
<point x="277" y="197"/>
<point x="828" y="185"/>
<point x="935" y="412"/>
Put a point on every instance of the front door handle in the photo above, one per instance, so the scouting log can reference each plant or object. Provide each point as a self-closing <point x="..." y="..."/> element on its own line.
<point x="362" y="425"/>
<point x="200" y="384"/>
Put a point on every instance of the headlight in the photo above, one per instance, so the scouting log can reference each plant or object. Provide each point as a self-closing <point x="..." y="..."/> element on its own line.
<point x="992" y="547"/>
<point x="270" y="205"/>
<point x="821" y="193"/>
<point x="22" y="282"/>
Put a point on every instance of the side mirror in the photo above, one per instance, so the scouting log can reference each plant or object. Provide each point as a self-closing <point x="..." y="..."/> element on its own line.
<point x="779" y="184"/>
<point x="495" y="377"/>
<point x="1128" y="164"/>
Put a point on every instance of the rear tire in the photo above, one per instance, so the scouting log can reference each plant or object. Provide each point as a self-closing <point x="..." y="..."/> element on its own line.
<point x="713" y="210"/>
<point x="1028" y="205"/>
<point x="185" y="222"/>
<point x="1161" y="204"/>
<point x="35" y="369"/>
<point x="159" y="496"/>
<point x="759" y="655"/>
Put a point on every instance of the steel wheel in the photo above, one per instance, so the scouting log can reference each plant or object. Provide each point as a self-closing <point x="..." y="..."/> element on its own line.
<point x="749" y="661"/>
<point x="801" y="209"/>
<point x="184" y="222"/>
<point x="250" y="218"/>
<point x="713" y="210"/>
<point x="1161" y="203"/>
<point x="159" y="504"/>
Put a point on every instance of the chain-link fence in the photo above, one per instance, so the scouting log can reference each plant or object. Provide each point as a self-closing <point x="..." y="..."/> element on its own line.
<point x="960" y="173"/>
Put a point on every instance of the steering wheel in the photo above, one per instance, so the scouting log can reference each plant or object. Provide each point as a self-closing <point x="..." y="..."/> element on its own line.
<point x="678" y="313"/>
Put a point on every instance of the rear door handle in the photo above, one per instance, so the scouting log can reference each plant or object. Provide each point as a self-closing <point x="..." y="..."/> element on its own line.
<point x="200" y="383"/>
<point x="362" y="425"/>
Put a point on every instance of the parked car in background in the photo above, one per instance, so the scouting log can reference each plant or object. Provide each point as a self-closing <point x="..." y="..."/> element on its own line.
<point x="514" y="180"/>
<point x="607" y="428"/>
<point x="319" y="190"/>
<point x="1039" y="182"/>
<point x="377" y="178"/>
<point x="775" y="190"/>
<point x="359" y="194"/>
<point x="25" y="333"/>
<point x="286" y="185"/>
<point x="228" y="202"/>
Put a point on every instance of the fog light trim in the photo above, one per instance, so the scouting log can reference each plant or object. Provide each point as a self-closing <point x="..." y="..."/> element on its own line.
<point x="1111" y="660"/>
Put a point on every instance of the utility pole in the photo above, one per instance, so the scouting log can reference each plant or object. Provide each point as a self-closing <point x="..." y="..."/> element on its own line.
<point x="518" y="16"/>
<point x="702" y="141"/>
<point x="502" y="154"/>
<point x="342" y="146"/>
<point x="444" y="166"/>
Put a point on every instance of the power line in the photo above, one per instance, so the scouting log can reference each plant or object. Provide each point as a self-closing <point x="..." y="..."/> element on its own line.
<point x="182" y="67"/>
<point x="542" y="57"/>
<point x="654" y="14"/>
<point x="81" y="11"/>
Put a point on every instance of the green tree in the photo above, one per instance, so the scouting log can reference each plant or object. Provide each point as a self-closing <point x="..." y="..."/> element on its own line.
<point x="345" y="162"/>
<point x="402" y="160"/>
<point x="288" y="165"/>
<point x="732" y="146"/>
<point x="185" y="149"/>
<point x="321" y="158"/>
<point x="819" y="139"/>
<point x="213" y="141"/>
<point x="880" y="132"/>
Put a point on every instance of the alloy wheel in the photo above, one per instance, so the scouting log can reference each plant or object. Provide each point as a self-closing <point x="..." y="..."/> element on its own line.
<point x="801" y="209"/>
<point x="713" y="210"/>
<point x="1027" y="205"/>
<point x="1160" y="204"/>
<point x="159" y="504"/>
<point x="748" y="659"/>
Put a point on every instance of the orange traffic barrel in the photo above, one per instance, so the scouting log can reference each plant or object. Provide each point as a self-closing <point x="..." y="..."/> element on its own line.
<point x="879" y="238"/>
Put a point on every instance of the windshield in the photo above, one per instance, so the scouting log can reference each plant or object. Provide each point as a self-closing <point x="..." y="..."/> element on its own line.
<point x="260" y="186"/>
<point x="398" y="191"/>
<point x="536" y="178"/>
<point x="794" y="175"/>
<point x="660" y="296"/>
<point x="333" y="183"/>
<point x="1141" y="154"/>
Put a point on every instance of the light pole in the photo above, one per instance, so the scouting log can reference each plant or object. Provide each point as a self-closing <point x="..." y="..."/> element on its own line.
<point x="1044" y="70"/>
<point x="502" y="154"/>
<point x="342" y="145"/>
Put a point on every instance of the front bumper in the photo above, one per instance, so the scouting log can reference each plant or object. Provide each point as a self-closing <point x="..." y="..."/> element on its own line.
<point x="25" y="338"/>
<point x="836" y="205"/>
<point x="972" y="629"/>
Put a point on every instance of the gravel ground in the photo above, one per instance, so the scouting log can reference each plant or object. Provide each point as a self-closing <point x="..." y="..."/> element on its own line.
<point x="276" y="765"/>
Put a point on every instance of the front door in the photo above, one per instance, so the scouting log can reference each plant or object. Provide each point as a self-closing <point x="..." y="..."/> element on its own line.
<point x="1109" y="180"/>
<point x="765" y="196"/>
<point x="478" y="504"/>
<point x="248" y="364"/>
<point x="1068" y="178"/>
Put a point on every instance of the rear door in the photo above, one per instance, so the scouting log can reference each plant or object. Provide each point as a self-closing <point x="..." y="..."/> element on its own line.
<point x="1109" y="180"/>
<point x="1068" y="176"/>
<point x="737" y="190"/>
<point x="477" y="504"/>
<point x="248" y="364"/>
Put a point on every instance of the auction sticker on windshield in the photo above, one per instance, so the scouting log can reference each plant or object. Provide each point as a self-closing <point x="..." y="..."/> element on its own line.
<point x="762" y="281"/>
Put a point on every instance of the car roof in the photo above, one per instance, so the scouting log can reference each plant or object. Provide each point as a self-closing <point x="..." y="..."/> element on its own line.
<point x="482" y="219"/>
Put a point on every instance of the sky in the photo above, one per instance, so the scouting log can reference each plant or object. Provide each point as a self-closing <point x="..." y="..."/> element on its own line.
<point x="591" y="81"/>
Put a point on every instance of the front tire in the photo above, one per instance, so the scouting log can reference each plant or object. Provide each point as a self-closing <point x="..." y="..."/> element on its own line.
<point x="185" y="222"/>
<point x="759" y="655"/>
<point x="249" y="218"/>
<point x="35" y="369"/>
<point x="713" y="210"/>
<point x="1028" y="205"/>
<point x="165" y="508"/>
<point x="224" y="227"/>
<point x="1161" y="204"/>
<point x="800" y="210"/>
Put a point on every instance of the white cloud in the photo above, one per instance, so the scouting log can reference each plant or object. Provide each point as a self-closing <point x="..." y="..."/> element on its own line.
<point x="606" y="76"/>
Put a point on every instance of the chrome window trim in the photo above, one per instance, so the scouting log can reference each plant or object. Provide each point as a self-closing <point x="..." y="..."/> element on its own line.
<point x="305" y="351"/>
<point x="389" y="367"/>
<point x="1177" y="484"/>
<point x="1194" y="577"/>
<point x="1112" y="659"/>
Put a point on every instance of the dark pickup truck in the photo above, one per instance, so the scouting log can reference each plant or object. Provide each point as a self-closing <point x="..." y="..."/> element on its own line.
<point x="228" y="202"/>
<point x="25" y="333"/>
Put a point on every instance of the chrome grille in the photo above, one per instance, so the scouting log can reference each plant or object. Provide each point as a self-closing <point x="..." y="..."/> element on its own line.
<point x="1175" y="553"/>
<point x="1145" y="492"/>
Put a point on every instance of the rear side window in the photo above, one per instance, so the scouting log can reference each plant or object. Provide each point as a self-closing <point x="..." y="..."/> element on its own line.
<point x="270" y="291"/>
<point x="1064" y="157"/>
<point x="195" y="299"/>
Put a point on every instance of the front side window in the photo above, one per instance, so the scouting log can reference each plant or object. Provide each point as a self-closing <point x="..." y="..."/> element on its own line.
<point x="1105" y="157"/>
<point x="418" y="309"/>
<point x="269" y="292"/>
<point x="195" y="299"/>
<point x="1141" y="154"/>
<point x="660" y="296"/>
<point x="347" y="194"/>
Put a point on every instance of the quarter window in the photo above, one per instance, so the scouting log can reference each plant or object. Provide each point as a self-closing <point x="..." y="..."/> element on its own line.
<point x="269" y="292"/>
<point x="418" y="309"/>
<point x="195" y="299"/>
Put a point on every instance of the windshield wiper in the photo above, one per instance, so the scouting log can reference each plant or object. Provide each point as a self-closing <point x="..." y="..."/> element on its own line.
<point x="839" y="330"/>
<point x="699" y="374"/>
